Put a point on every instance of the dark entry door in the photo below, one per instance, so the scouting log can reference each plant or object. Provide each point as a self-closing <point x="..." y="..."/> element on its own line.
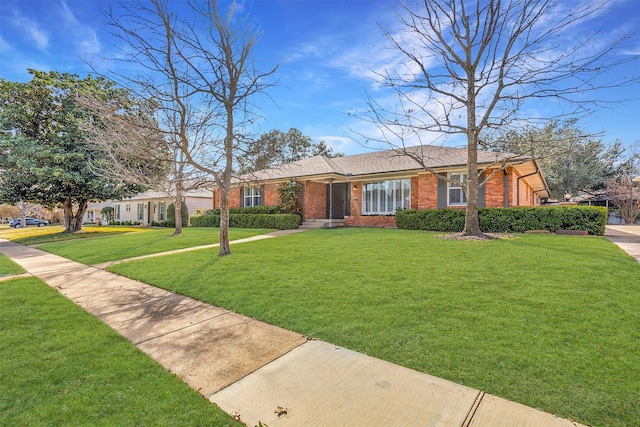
<point x="338" y="200"/>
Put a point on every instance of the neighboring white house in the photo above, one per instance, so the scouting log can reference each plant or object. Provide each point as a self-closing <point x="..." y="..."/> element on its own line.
<point x="150" y="206"/>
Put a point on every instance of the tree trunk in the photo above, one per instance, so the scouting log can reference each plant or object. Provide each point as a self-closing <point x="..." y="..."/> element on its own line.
<point x="225" y="248"/>
<point x="177" y="203"/>
<point x="73" y="222"/>
<point x="471" y="219"/>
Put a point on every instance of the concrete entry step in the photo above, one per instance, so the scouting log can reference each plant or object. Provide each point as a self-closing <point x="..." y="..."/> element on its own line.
<point x="322" y="223"/>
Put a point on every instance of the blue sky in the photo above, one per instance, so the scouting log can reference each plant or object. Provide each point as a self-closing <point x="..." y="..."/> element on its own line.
<point x="327" y="51"/>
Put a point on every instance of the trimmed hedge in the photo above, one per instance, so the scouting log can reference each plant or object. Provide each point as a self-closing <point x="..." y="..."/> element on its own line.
<point x="253" y="220"/>
<point x="251" y="210"/>
<point x="509" y="220"/>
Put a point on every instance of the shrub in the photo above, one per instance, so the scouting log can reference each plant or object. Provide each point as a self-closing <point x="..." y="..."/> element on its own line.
<point x="171" y="214"/>
<point x="289" y="196"/>
<point x="250" y="210"/>
<point x="278" y="221"/>
<point x="509" y="220"/>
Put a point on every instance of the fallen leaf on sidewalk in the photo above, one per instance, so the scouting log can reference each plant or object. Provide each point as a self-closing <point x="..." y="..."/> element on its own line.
<point x="280" y="411"/>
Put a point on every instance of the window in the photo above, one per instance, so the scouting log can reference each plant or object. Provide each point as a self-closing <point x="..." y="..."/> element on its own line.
<point x="163" y="211"/>
<point x="140" y="211"/>
<point x="127" y="207"/>
<point x="386" y="197"/>
<point x="117" y="212"/>
<point x="457" y="196"/>
<point x="252" y="196"/>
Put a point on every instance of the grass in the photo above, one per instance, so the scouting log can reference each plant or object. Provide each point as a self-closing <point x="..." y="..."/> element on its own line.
<point x="145" y="241"/>
<point x="62" y="366"/>
<point x="55" y="233"/>
<point x="8" y="267"/>
<point x="552" y="322"/>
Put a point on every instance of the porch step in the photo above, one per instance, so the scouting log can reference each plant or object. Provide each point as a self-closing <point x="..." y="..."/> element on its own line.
<point x="322" y="223"/>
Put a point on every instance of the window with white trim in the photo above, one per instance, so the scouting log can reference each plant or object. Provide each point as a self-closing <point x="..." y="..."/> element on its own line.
<point x="140" y="211"/>
<point x="117" y="213"/>
<point x="456" y="195"/>
<point x="127" y="207"/>
<point x="386" y="197"/>
<point x="162" y="207"/>
<point x="252" y="196"/>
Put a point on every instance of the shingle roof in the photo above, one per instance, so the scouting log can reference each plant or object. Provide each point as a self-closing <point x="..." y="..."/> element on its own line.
<point x="373" y="163"/>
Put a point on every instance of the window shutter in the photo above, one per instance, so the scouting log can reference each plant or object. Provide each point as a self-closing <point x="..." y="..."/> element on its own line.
<point x="482" y="192"/>
<point x="262" y="195"/>
<point x="442" y="194"/>
<point x="241" y="197"/>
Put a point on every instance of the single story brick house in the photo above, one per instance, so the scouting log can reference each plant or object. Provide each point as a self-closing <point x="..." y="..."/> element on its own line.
<point x="367" y="189"/>
<point x="149" y="206"/>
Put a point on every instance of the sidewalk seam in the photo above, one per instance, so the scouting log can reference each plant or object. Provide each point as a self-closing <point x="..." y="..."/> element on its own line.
<point x="474" y="408"/>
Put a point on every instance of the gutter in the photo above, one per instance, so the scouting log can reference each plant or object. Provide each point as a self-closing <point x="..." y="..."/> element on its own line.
<point x="524" y="176"/>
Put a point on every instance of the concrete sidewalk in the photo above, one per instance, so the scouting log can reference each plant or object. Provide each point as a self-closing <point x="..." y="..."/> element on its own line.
<point x="262" y="373"/>
<point x="627" y="237"/>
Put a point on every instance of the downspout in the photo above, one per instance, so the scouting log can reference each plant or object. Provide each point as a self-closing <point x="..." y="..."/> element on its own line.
<point x="505" y="180"/>
<point x="524" y="176"/>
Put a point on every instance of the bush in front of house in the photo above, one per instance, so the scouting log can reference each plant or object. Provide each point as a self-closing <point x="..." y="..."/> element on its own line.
<point x="253" y="220"/>
<point x="508" y="220"/>
<point x="250" y="210"/>
<point x="171" y="215"/>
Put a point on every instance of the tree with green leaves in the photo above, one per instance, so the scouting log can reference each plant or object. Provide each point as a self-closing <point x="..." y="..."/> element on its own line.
<point x="572" y="160"/>
<point x="46" y="157"/>
<point x="277" y="147"/>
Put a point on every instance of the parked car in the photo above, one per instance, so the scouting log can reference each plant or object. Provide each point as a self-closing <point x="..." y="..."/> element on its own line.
<point x="17" y="223"/>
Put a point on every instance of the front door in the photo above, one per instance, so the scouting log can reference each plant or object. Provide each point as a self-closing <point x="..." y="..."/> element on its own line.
<point x="338" y="200"/>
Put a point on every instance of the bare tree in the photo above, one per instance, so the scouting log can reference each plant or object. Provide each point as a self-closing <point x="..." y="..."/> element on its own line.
<point x="200" y="71"/>
<point x="136" y="148"/>
<point x="625" y="195"/>
<point x="473" y="66"/>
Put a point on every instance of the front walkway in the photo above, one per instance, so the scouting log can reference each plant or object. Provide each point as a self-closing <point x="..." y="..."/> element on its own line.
<point x="262" y="373"/>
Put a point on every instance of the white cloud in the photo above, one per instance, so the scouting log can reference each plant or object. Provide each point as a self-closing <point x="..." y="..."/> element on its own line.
<point x="4" y="46"/>
<point x="85" y="38"/>
<point x="33" y="30"/>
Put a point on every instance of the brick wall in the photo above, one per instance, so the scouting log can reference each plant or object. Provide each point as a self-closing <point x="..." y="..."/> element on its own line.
<point x="494" y="191"/>
<point x="233" y="198"/>
<point x="427" y="192"/>
<point x="271" y="197"/>
<point x="315" y="200"/>
<point x="378" y="221"/>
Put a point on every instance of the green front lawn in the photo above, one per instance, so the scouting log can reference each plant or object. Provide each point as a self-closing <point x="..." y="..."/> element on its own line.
<point x="62" y="366"/>
<point x="549" y="321"/>
<point x="145" y="241"/>
<point x="54" y="233"/>
<point x="8" y="267"/>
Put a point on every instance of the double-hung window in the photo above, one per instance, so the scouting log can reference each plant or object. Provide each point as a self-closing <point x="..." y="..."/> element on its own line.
<point x="457" y="196"/>
<point x="162" y="207"/>
<point x="386" y="197"/>
<point x="252" y="196"/>
<point x="117" y="213"/>
<point x="140" y="211"/>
